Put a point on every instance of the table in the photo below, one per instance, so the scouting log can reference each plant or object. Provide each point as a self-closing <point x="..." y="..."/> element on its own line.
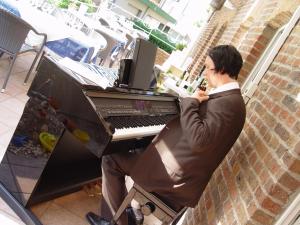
<point x="10" y="7"/>
<point x="58" y="34"/>
<point x="71" y="48"/>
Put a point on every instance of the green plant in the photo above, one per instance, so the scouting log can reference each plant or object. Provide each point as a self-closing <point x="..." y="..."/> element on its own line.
<point x="157" y="37"/>
<point x="63" y="4"/>
<point x="180" y="46"/>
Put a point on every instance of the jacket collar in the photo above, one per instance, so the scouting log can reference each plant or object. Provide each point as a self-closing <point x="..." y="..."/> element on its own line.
<point x="225" y="93"/>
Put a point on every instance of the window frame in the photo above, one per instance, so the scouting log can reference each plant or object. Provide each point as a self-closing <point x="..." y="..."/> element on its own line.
<point x="261" y="67"/>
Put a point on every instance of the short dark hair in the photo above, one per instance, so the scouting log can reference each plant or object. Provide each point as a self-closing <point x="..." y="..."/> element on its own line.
<point x="227" y="59"/>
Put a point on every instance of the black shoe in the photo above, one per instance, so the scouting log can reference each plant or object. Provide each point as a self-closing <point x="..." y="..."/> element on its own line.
<point x="135" y="216"/>
<point x="96" y="220"/>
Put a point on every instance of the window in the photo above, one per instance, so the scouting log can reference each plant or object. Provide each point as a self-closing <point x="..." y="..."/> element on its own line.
<point x="267" y="57"/>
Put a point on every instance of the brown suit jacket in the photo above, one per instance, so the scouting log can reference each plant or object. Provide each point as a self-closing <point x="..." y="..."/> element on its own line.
<point x="181" y="159"/>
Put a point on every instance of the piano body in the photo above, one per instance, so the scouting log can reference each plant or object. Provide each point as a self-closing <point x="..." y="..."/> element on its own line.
<point x="68" y="124"/>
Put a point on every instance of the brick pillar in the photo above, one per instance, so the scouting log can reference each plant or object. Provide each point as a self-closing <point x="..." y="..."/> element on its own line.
<point x="218" y="31"/>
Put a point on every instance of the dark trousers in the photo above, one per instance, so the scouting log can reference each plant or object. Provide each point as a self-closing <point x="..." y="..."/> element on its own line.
<point x="114" y="169"/>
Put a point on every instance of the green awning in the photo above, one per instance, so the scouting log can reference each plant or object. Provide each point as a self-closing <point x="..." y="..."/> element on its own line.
<point x="159" y="11"/>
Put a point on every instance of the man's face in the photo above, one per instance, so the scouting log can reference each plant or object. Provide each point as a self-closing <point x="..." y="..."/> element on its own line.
<point x="209" y="72"/>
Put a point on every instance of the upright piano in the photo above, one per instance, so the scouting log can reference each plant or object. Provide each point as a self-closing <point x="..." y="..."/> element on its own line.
<point x="68" y="124"/>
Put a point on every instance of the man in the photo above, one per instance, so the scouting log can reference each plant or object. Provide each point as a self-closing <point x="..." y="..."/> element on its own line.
<point x="179" y="162"/>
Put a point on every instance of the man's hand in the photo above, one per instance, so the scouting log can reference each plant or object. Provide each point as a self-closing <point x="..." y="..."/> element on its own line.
<point x="200" y="95"/>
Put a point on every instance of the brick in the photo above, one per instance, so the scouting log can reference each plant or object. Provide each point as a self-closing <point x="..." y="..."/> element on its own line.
<point x="251" y="134"/>
<point x="276" y="191"/>
<point x="267" y="137"/>
<point x="251" y="208"/>
<point x="275" y="95"/>
<point x="283" y="71"/>
<point x="261" y="148"/>
<point x="227" y="206"/>
<point x="283" y="114"/>
<point x="282" y="132"/>
<point x="263" y="40"/>
<point x="230" y="217"/>
<point x="258" y="45"/>
<point x="297" y="149"/>
<point x="210" y="215"/>
<point x="259" y="194"/>
<point x="262" y="217"/>
<point x="281" y="150"/>
<point x="273" y="142"/>
<point x="235" y="169"/>
<point x="252" y="158"/>
<point x="208" y="200"/>
<point x="241" y="182"/>
<point x="292" y="140"/>
<point x="275" y="109"/>
<point x="295" y="76"/>
<point x="216" y="197"/>
<point x="273" y="67"/>
<point x="283" y="84"/>
<point x="290" y="120"/>
<point x="252" y="180"/>
<point x="292" y="163"/>
<point x="241" y="213"/>
<point x="264" y="175"/>
<point x="271" y="164"/>
<point x="271" y="206"/>
<point x="258" y="167"/>
<point x="290" y="103"/>
<point x="289" y="182"/>
<point x="256" y="53"/>
<point x="296" y="63"/>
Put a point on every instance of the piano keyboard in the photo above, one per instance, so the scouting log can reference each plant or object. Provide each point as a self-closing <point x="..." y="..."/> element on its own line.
<point x="127" y="127"/>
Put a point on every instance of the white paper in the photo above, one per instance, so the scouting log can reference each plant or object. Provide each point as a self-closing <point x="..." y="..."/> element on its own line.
<point x="171" y="84"/>
<point x="83" y="71"/>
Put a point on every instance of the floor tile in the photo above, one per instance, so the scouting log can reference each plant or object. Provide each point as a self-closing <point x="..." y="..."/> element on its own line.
<point x="5" y="138"/>
<point x="56" y="214"/>
<point x="22" y="97"/>
<point x="9" y="117"/>
<point x="71" y="203"/>
<point x="39" y="209"/>
<point x="14" y="105"/>
<point x="3" y="128"/>
<point x="2" y="151"/>
<point x="4" y="96"/>
<point x="7" y="219"/>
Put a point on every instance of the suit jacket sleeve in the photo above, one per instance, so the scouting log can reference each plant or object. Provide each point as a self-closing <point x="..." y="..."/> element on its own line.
<point x="197" y="128"/>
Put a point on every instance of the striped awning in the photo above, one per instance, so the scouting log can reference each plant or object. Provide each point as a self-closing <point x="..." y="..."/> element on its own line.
<point x="158" y="10"/>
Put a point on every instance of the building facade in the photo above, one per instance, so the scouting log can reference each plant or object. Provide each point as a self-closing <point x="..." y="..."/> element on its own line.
<point x="260" y="177"/>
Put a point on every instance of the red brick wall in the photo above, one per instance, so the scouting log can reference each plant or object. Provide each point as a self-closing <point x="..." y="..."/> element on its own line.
<point x="211" y="35"/>
<point x="261" y="174"/>
<point x="235" y="23"/>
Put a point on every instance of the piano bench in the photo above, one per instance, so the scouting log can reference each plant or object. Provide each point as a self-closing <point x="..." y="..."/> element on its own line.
<point x="150" y="204"/>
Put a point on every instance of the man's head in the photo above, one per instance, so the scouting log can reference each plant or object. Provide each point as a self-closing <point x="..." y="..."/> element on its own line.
<point x="222" y="61"/>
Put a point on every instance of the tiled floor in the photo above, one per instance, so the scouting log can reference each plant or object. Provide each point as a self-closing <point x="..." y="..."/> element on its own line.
<point x="67" y="210"/>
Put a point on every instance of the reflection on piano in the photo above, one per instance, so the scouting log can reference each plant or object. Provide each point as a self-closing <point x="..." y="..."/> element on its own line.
<point x="133" y="115"/>
<point x="113" y="120"/>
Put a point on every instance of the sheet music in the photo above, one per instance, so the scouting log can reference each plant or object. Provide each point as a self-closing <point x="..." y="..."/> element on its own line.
<point x="84" y="71"/>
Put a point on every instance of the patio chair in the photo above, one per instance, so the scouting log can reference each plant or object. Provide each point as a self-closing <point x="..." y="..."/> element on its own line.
<point x="104" y="54"/>
<point x="128" y="45"/>
<point x="14" y="31"/>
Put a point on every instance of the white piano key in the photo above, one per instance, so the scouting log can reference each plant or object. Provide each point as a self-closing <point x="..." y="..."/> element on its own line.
<point x="136" y="132"/>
